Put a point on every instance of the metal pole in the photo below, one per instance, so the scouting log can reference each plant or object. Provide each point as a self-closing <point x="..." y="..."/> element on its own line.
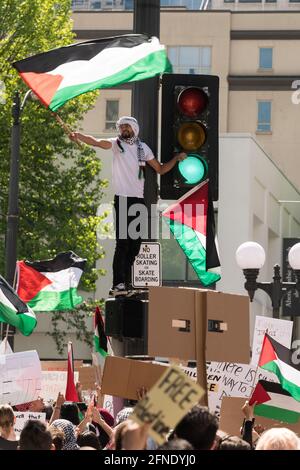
<point x="145" y="100"/>
<point x="13" y="210"/>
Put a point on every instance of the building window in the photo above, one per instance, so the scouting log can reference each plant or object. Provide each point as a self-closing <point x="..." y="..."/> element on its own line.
<point x="264" y="116"/>
<point x="186" y="59"/>
<point x="112" y="114"/>
<point x="265" y="58"/>
<point x="189" y="4"/>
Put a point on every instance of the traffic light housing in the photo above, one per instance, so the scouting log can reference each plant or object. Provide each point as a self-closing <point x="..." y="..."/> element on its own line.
<point x="190" y="124"/>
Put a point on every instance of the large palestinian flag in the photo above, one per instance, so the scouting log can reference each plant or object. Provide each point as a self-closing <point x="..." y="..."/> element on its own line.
<point x="58" y="75"/>
<point x="14" y="311"/>
<point x="51" y="284"/>
<point x="191" y="220"/>
<point x="273" y="402"/>
<point x="276" y="358"/>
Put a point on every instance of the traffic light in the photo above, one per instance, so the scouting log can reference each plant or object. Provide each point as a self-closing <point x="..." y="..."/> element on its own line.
<point x="190" y="105"/>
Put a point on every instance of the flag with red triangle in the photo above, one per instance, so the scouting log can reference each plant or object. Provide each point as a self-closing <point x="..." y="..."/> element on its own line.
<point x="71" y="392"/>
<point x="50" y="284"/>
<point x="191" y="220"/>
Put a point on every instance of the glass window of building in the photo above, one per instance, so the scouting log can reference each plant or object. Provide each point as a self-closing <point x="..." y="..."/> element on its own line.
<point x="264" y="116"/>
<point x="189" y="59"/>
<point x="265" y="58"/>
<point x="189" y="4"/>
<point x="111" y="114"/>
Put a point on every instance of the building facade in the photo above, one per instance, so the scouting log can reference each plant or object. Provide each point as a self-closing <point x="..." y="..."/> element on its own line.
<point x="253" y="46"/>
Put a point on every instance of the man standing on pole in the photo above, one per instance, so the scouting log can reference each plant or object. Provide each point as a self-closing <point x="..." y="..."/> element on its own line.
<point x="130" y="155"/>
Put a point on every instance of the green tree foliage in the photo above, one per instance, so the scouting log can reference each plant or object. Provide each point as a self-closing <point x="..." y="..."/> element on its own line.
<point x="60" y="185"/>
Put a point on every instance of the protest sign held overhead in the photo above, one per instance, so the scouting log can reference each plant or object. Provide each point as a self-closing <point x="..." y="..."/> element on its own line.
<point x="167" y="402"/>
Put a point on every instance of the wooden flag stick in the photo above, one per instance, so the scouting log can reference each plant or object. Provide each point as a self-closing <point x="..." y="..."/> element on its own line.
<point x="65" y="127"/>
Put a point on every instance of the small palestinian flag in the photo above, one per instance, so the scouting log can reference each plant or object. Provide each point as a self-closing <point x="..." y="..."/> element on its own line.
<point x="274" y="402"/>
<point x="15" y="312"/>
<point x="101" y="341"/>
<point x="191" y="220"/>
<point x="51" y="284"/>
<point x="71" y="392"/>
<point x="276" y="358"/>
<point x="58" y="75"/>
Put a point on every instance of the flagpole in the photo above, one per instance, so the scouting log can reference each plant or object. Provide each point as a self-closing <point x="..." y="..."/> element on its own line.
<point x="65" y="127"/>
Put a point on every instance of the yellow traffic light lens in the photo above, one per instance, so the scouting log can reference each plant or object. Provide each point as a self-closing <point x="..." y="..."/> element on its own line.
<point x="191" y="135"/>
<point x="193" y="169"/>
<point x="192" y="101"/>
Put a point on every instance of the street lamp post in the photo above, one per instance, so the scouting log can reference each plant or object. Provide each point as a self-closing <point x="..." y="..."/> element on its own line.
<point x="13" y="198"/>
<point x="250" y="257"/>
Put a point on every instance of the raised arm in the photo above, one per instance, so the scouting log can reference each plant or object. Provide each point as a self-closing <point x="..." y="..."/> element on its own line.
<point x="162" y="168"/>
<point x="90" y="140"/>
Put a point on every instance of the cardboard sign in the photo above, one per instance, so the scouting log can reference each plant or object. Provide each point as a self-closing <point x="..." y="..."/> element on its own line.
<point x="123" y="377"/>
<point x="232" y="417"/>
<point x="54" y="382"/>
<point x="200" y="321"/>
<point x="20" y="377"/>
<point x="59" y="365"/>
<point x="147" y="266"/>
<point x="229" y="379"/>
<point x="280" y="330"/>
<point x="87" y="377"/>
<point x="23" y="416"/>
<point x="167" y="402"/>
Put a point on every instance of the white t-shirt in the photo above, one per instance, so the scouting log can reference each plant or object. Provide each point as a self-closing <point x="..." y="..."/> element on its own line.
<point x="125" y="169"/>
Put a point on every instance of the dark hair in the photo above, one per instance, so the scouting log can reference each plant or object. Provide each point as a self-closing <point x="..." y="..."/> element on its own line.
<point x="35" y="436"/>
<point x="88" y="438"/>
<point x="199" y="427"/>
<point x="58" y="437"/>
<point x="48" y="410"/>
<point x="232" y="443"/>
<point x="70" y="412"/>
<point x="176" y="444"/>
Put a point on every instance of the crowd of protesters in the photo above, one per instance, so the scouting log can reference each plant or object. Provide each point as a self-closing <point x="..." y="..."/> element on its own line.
<point x="72" y="426"/>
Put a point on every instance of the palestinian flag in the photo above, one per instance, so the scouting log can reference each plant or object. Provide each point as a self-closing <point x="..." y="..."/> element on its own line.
<point x="51" y="284"/>
<point x="276" y="358"/>
<point x="191" y="220"/>
<point x="71" y="392"/>
<point x="274" y="402"/>
<point x="58" y="75"/>
<point x="15" y="312"/>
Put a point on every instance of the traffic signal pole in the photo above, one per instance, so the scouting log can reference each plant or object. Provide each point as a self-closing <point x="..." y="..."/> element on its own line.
<point x="144" y="103"/>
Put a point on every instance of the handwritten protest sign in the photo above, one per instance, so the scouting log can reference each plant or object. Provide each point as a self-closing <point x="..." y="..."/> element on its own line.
<point x="280" y="330"/>
<point x="22" y="417"/>
<point x="228" y="379"/>
<point x="167" y="402"/>
<point x="54" y="382"/>
<point x="20" y="377"/>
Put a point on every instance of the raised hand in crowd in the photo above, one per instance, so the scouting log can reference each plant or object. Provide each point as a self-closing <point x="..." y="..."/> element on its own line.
<point x="141" y="393"/>
<point x="134" y="436"/>
<point x="58" y="404"/>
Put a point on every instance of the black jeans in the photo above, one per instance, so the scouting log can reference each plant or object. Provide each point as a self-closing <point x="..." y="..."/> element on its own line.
<point x="129" y="236"/>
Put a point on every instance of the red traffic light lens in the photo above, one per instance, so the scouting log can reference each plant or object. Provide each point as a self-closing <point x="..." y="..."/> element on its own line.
<point x="192" y="101"/>
<point x="191" y="135"/>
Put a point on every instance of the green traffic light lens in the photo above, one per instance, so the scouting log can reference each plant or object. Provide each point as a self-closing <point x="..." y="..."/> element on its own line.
<point x="193" y="169"/>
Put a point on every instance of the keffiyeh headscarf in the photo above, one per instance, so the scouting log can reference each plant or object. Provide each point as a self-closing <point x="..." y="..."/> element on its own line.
<point x="132" y="140"/>
<point x="69" y="431"/>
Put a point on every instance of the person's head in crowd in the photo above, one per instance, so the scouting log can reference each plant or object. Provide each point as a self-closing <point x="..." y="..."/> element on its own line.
<point x="176" y="444"/>
<point x="7" y="420"/>
<point x="35" y="436"/>
<point x="232" y="443"/>
<point x="199" y="427"/>
<point x="87" y="448"/>
<point x="123" y="414"/>
<point x="69" y="431"/>
<point x="89" y="439"/>
<point x="48" y="410"/>
<point x="58" y="437"/>
<point x="70" y="411"/>
<point x="278" y="439"/>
